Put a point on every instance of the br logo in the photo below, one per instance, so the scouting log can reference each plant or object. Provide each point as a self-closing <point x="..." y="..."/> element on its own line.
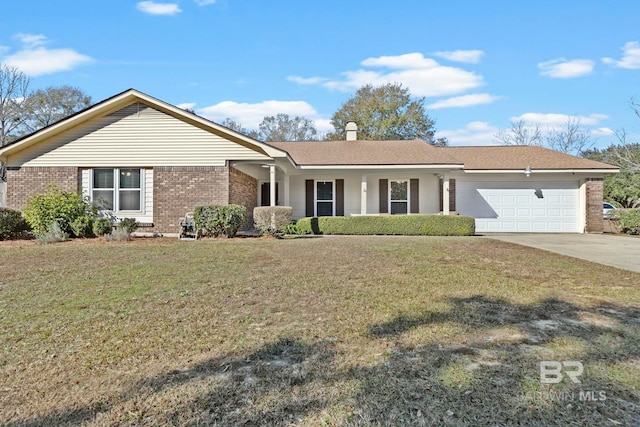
<point x="552" y="372"/>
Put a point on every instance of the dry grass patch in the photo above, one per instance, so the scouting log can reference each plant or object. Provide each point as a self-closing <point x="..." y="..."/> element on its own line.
<point x="324" y="331"/>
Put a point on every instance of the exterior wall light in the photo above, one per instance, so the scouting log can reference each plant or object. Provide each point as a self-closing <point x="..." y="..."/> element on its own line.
<point x="527" y="171"/>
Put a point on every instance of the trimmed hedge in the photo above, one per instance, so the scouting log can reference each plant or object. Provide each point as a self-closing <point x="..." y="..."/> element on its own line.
<point x="219" y="220"/>
<point x="271" y="218"/>
<point x="405" y="225"/>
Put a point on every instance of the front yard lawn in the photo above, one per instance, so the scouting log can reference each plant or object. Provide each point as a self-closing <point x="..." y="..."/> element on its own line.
<point x="322" y="331"/>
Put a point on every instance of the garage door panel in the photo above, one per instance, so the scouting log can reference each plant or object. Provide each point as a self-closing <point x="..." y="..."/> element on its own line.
<point x="520" y="207"/>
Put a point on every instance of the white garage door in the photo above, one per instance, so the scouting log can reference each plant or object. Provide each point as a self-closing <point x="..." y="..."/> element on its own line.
<point x="547" y="207"/>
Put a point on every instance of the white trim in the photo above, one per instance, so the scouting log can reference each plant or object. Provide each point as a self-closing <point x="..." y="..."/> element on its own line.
<point x="535" y="171"/>
<point x="126" y="98"/>
<point x="116" y="190"/>
<point x="408" y="200"/>
<point x="315" y="196"/>
<point x="359" y="167"/>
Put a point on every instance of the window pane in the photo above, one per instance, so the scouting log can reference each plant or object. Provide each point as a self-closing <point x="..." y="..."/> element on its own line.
<point x="399" y="190"/>
<point x="325" y="208"/>
<point x="103" y="178"/>
<point x="129" y="200"/>
<point x="103" y="199"/>
<point x="398" y="207"/>
<point x="129" y="178"/>
<point x="325" y="190"/>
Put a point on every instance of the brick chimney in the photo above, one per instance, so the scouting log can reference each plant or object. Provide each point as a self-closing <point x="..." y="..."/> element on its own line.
<point x="352" y="131"/>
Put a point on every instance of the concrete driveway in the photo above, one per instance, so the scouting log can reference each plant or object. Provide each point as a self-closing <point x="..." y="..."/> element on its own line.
<point x="617" y="251"/>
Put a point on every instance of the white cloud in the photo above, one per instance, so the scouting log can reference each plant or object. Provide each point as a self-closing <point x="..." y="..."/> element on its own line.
<point x="562" y="68"/>
<point x="307" y="81"/>
<point x="31" y="40"/>
<point x="464" y="101"/>
<point x="250" y="115"/>
<point x="474" y="133"/>
<point x="153" y="8"/>
<point x="423" y="76"/>
<point x="630" y="57"/>
<point x="466" y="56"/>
<point x="204" y="2"/>
<point x="553" y="120"/>
<point x="602" y="132"/>
<point x="35" y="60"/>
<point x="186" y="105"/>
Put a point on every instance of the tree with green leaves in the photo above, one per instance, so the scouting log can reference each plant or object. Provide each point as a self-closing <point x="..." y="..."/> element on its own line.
<point x="282" y="127"/>
<point x="47" y="106"/>
<point x="386" y="112"/>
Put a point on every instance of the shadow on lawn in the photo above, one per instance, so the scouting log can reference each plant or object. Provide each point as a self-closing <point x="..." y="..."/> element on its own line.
<point x="490" y="377"/>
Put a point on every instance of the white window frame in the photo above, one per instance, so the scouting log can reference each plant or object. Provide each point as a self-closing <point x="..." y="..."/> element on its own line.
<point x="333" y="196"/>
<point x="408" y="200"/>
<point x="116" y="189"/>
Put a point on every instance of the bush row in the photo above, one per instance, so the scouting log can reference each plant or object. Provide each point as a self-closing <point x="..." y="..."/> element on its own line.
<point x="407" y="225"/>
<point x="56" y="215"/>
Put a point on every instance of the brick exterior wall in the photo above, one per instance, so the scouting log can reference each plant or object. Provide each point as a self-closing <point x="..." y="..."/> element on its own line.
<point x="24" y="182"/>
<point x="179" y="189"/>
<point x="243" y="190"/>
<point x="595" y="196"/>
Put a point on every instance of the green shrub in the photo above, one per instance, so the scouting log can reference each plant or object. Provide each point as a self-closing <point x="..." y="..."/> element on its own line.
<point x="129" y="225"/>
<point x="12" y="224"/>
<point x="117" y="235"/>
<point x="219" y="220"/>
<point x="291" y="228"/>
<point x="55" y="205"/>
<point x="629" y="220"/>
<point x="271" y="219"/>
<point x="82" y="226"/>
<point x="102" y="226"/>
<point x="54" y="234"/>
<point x="407" y="225"/>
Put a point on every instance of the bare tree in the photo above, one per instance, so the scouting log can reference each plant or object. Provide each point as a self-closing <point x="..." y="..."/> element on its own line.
<point x="13" y="92"/>
<point x="46" y="106"/>
<point x="235" y="126"/>
<point x="572" y="138"/>
<point x="521" y="133"/>
<point x="284" y="128"/>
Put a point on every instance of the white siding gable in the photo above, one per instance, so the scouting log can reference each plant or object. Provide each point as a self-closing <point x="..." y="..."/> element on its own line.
<point x="135" y="136"/>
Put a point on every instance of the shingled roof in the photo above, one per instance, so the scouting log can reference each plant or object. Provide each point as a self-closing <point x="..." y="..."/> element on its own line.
<point x="418" y="152"/>
<point x="343" y="153"/>
<point x="519" y="157"/>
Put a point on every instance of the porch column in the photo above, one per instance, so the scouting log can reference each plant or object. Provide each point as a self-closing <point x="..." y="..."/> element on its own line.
<point x="285" y="178"/>
<point x="272" y="185"/>
<point x="445" y="194"/>
<point x="363" y="195"/>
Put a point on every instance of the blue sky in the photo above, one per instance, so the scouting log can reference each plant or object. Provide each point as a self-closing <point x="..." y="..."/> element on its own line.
<point x="479" y="64"/>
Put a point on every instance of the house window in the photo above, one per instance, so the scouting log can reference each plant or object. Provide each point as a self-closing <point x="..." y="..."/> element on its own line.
<point x="117" y="190"/>
<point x="325" y="198"/>
<point x="398" y="196"/>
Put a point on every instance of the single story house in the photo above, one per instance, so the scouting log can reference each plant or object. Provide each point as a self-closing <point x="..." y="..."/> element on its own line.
<point x="137" y="156"/>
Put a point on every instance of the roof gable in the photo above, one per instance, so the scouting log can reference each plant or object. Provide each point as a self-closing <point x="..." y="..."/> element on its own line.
<point x="123" y="100"/>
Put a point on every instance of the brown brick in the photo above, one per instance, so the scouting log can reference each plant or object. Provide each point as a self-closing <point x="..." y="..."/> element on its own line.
<point x="595" y="195"/>
<point x="25" y="182"/>
<point x="243" y="190"/>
